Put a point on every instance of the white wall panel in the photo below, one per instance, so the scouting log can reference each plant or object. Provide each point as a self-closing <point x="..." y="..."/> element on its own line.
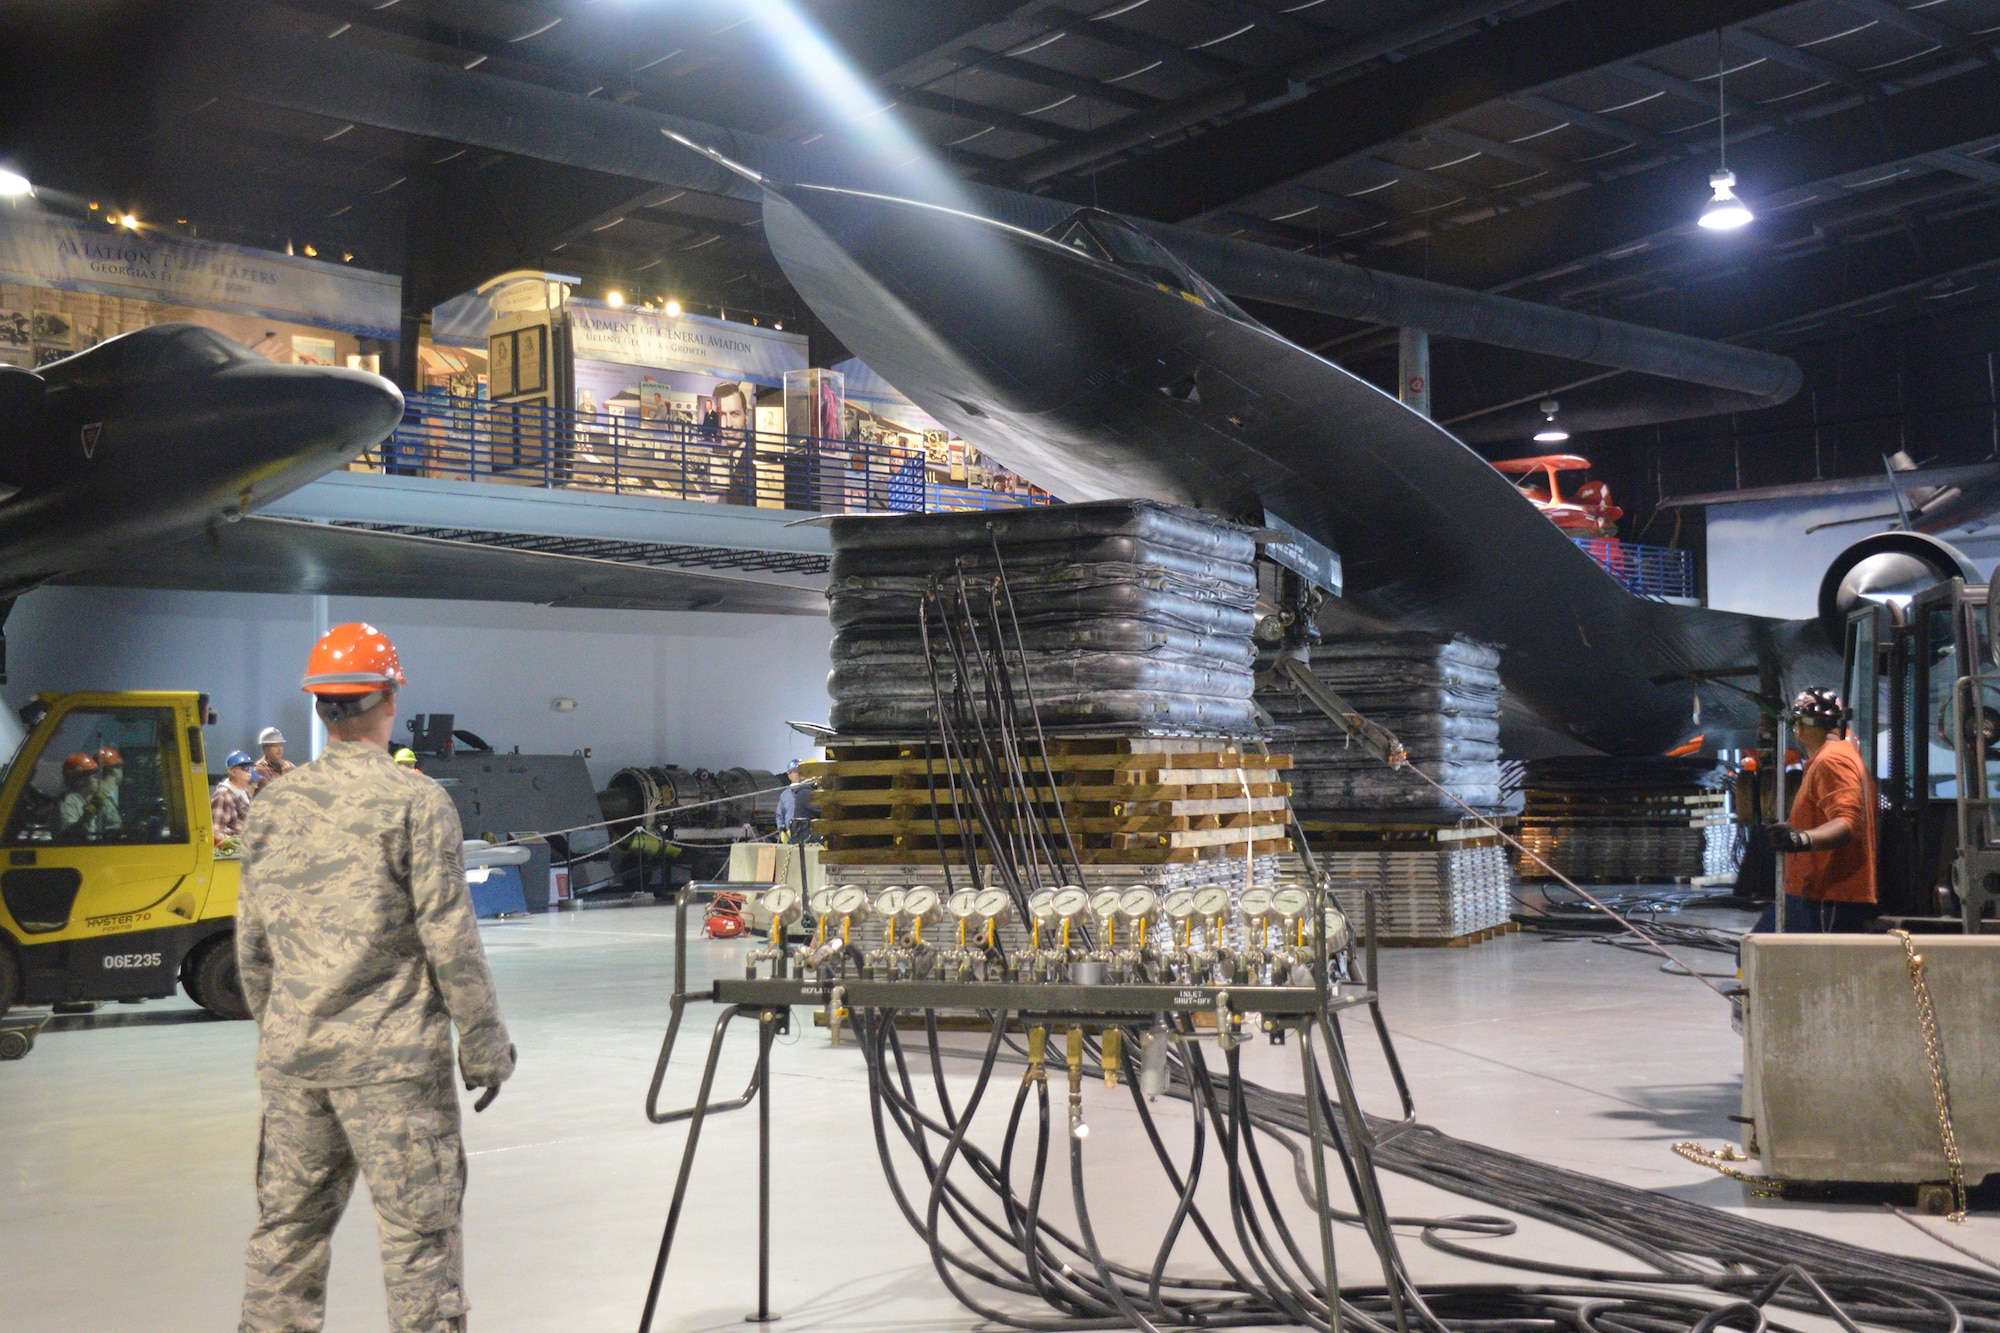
<point x="1762" y="559"/>
<point x="651" y="687"/>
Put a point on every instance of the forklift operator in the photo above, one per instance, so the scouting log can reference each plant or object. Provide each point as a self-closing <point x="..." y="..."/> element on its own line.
<point x="359" y="952"/>
<point x="80" y="813"/>
<point x="1830" y="839"/>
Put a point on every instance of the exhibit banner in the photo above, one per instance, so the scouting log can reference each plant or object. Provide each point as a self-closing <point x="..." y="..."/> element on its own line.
<point x="691" y="343"/>
<point x="37" y="250"/>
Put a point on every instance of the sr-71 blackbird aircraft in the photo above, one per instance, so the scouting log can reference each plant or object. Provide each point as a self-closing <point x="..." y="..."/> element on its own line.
<point x="140" y="462"/>
<point x="1096" y="363"/>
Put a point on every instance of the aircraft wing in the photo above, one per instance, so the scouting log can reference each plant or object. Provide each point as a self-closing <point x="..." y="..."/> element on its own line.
<point x="1103" y="383"/>
<point x="281" y="555"/>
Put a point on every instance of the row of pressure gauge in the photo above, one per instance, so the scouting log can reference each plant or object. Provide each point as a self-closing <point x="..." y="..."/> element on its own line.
<point x="1276" y="938"/>
<point x="919" y="905"/>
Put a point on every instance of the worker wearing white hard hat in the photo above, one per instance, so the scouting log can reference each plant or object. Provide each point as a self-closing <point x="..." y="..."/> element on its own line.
<point x="274" y="763"/>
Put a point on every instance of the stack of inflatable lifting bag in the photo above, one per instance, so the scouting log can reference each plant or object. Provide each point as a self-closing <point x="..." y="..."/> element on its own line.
<point x="1439" y="694"/>
<point x="1135" y="617"/>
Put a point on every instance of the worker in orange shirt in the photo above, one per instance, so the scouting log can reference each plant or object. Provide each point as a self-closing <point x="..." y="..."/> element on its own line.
<point x="1829" y="842"/>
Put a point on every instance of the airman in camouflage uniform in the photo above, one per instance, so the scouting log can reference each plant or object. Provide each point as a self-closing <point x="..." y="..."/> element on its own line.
<point x="359" y="950"/>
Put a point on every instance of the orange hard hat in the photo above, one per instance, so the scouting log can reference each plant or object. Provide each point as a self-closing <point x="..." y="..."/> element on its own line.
<point x="109" y="758"/>
<point x="79" y="764"/>
<point x="350" y="661"/>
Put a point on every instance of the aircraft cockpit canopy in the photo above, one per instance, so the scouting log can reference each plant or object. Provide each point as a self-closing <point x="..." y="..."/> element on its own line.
<point x="163" y="350"/>
<point x="1112" y="240"/>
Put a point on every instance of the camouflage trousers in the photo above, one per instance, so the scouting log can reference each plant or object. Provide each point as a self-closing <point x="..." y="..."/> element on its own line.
<point x="404" y="1138"/>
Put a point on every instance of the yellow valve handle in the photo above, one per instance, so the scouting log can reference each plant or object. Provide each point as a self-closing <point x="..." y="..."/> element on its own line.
<point x="1142" y="932"/>
<point x="992" y="936"/>
<point x="1037" y="932"/>
<point x="1110" y="932"/>
<point x="1187" y="933"/>
<point x="961" y="932"/>
<point x="916" y="934"/>
<point x="889" y="940"/>
<point x="846" y="925"/>
<point x="1065" y="935"/>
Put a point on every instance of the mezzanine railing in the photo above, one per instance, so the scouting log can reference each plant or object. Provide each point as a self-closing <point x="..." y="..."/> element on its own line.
<point x="465" y="439"/>
<point x="1649" y="571"/>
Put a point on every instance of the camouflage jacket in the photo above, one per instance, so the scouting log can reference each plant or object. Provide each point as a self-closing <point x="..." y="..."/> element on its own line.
<point x="355" y="933"/>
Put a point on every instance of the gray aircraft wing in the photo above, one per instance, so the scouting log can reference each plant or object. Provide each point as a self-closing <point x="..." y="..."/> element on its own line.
<point x="280" y="555"/>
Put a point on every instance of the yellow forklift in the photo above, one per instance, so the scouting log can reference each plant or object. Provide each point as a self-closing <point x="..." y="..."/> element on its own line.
<point x="112" y="887"/>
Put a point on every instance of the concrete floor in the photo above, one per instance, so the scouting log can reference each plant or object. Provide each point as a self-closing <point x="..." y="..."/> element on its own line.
<point x="130" y="1138"/>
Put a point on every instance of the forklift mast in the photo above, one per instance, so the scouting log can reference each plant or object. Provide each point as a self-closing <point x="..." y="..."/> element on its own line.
<point x="1922" y="694"/>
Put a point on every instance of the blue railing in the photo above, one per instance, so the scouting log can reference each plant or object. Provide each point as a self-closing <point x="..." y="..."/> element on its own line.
<point x="467" y="439"/>
<point x="1649" y="571"/>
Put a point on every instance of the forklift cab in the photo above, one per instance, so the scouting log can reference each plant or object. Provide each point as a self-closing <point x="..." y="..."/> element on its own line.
<point x="1924" y="708"/>
<point x="110" y="885"/>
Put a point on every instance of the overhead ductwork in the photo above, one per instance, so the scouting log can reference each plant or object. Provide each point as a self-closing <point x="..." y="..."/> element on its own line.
<point x="349" y="81"/>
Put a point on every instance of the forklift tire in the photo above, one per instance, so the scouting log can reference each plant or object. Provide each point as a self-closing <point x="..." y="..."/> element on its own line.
<point x="14" y="1043"/>
<point x="212" y="980"/>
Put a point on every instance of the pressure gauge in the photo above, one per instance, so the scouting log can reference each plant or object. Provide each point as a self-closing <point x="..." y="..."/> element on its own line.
<point x="1291" y="904"/>
<point x="921" y="903"/>
<point x="1041" y="906"/>
<point x="889" y="902"/>
<point x="1180" y="904"/>
<point x="1069" y="903"/>
<point x="851" y="901"/>
<point x="1211" y="904"/>
<point x="963" y="905"/>
<point x="1339" y="933"/>
<point x="993" y="905"/>
<point x="1255" y="904"/>
<point x="782" y="903"/>
<point x="1104" y="903"/>
<point x="1138" y="904"/>
<point x="822" y="899"/>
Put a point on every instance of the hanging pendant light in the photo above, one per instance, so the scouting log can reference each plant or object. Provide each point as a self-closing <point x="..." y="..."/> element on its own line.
<point x="1724" y="212"/>
<point x="1550" y="433"/>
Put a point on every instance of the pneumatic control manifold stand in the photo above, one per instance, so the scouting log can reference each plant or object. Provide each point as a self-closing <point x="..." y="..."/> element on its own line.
<point x="1102" y="1020"/>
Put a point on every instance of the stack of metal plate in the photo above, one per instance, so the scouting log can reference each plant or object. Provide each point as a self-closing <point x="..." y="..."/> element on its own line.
<point x="1621" y="820"/>
<point x="1439" y="694"/>
<point x="1133" y="618"/>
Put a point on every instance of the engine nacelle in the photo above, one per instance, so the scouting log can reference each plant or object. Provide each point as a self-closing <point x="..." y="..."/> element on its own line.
<point x="1887" y="569"/>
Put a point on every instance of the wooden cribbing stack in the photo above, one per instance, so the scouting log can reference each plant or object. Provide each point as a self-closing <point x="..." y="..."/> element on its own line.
<point x="1127" y="800"/>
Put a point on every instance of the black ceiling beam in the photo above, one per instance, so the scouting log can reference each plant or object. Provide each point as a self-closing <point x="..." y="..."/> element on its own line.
<point x="1108" y="33"/>
<point x="960" y="109"/>
<point x="1512" y="57"/>
<point x="1933" y="117"/>
<point x="1775" y="295"/>
<point x="1027" y="71"/>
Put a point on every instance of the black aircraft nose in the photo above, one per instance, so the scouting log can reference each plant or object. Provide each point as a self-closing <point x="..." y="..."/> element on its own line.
<point x="287" y="425"/>
<point x="361" y="408"/>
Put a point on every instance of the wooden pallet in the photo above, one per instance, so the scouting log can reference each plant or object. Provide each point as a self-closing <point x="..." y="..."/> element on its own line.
<point x="1136" y="800"/>
<point x="1090" y="856"/>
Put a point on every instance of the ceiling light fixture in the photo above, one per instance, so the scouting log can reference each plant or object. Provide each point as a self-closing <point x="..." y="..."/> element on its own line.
<point x="1724" y="212"/>
<point x="1551" y="433"/>
<point x="13" y="185"/>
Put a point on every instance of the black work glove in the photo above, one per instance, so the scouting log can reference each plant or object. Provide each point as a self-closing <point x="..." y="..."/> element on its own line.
<point x="493" y="1088"/>
<point x="1785" y="838"/>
